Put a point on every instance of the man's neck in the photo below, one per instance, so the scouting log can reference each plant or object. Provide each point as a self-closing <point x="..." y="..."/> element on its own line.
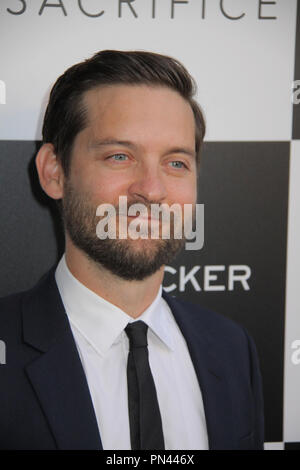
<point x="133" y="297"/>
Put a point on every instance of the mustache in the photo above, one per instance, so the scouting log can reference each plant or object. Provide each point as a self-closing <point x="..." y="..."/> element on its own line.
<point x="146" y="206"/>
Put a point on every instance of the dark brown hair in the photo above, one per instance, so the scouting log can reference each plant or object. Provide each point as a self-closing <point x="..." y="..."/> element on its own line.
<point x="66" y="116"/>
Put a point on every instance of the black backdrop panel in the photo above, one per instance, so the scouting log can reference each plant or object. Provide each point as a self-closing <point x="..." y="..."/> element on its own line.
<point x="28" y="241"/>
<point x="244" y="187"/>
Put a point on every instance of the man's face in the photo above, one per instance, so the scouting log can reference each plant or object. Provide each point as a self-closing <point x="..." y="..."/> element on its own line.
<point x="139" y="143"/>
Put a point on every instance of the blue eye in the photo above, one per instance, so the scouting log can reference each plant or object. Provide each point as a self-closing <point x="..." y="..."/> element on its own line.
<point x="119" y="157"/>
<point x="177" y="164"/>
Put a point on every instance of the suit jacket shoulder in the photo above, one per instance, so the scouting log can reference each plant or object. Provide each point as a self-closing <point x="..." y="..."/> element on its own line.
<point x="218" y="330"/>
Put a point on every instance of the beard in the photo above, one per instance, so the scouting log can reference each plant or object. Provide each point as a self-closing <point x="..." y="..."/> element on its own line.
<point x="126" y="258"/>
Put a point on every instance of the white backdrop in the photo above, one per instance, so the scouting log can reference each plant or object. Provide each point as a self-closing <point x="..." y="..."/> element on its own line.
<point x="244" y="67"/>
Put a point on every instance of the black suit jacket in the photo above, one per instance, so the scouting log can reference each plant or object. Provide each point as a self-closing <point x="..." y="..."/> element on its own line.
<point x="44" y="397"/>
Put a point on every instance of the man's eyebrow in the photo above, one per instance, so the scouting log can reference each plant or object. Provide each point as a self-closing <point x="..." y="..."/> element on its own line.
<point x="102" y="143"/>
<point x="127" y="143"/>
<point x="184" y="150"/>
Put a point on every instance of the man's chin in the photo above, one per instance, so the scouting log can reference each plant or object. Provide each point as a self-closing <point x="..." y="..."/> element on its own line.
<point x="148" y="248"/>
<point x="142" y="244"/>
<point x="133" y="259"/>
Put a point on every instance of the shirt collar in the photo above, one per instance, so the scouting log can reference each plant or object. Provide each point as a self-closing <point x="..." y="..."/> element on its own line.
<point x="156" y="317"/>
<point x="98" y="320"/>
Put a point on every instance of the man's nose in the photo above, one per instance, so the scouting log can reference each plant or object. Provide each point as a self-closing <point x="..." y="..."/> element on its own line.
<point x="149" y="185"/>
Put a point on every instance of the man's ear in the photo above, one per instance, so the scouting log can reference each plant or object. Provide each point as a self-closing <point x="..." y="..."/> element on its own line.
<point x="50" y="171"/>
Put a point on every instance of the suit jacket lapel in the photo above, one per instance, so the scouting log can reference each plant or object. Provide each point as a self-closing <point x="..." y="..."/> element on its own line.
<point x="57" y="375"/>
<point x="213" y="384"/>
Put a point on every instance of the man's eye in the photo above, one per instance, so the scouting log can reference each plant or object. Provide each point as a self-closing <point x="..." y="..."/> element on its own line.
<point x="178" y="164"/>
<point x="119" y="157"/>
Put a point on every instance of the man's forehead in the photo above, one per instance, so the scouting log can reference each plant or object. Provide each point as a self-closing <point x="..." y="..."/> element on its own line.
<point x="112" y="123"/>
<point x="106" y="97"/>
<point x="156" y="113"/>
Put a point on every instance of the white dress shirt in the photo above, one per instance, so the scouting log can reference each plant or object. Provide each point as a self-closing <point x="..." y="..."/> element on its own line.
<point x="98" y="330"/>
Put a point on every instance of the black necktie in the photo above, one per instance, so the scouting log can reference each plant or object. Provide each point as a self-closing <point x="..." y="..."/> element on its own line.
<point x="144" y="415"/>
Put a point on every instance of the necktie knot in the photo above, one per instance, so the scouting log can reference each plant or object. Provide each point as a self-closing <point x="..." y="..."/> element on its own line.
<point x="137" y="334"/>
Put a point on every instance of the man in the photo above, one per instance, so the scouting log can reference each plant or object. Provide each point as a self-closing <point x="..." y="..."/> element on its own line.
<point x="97" y="356"/>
